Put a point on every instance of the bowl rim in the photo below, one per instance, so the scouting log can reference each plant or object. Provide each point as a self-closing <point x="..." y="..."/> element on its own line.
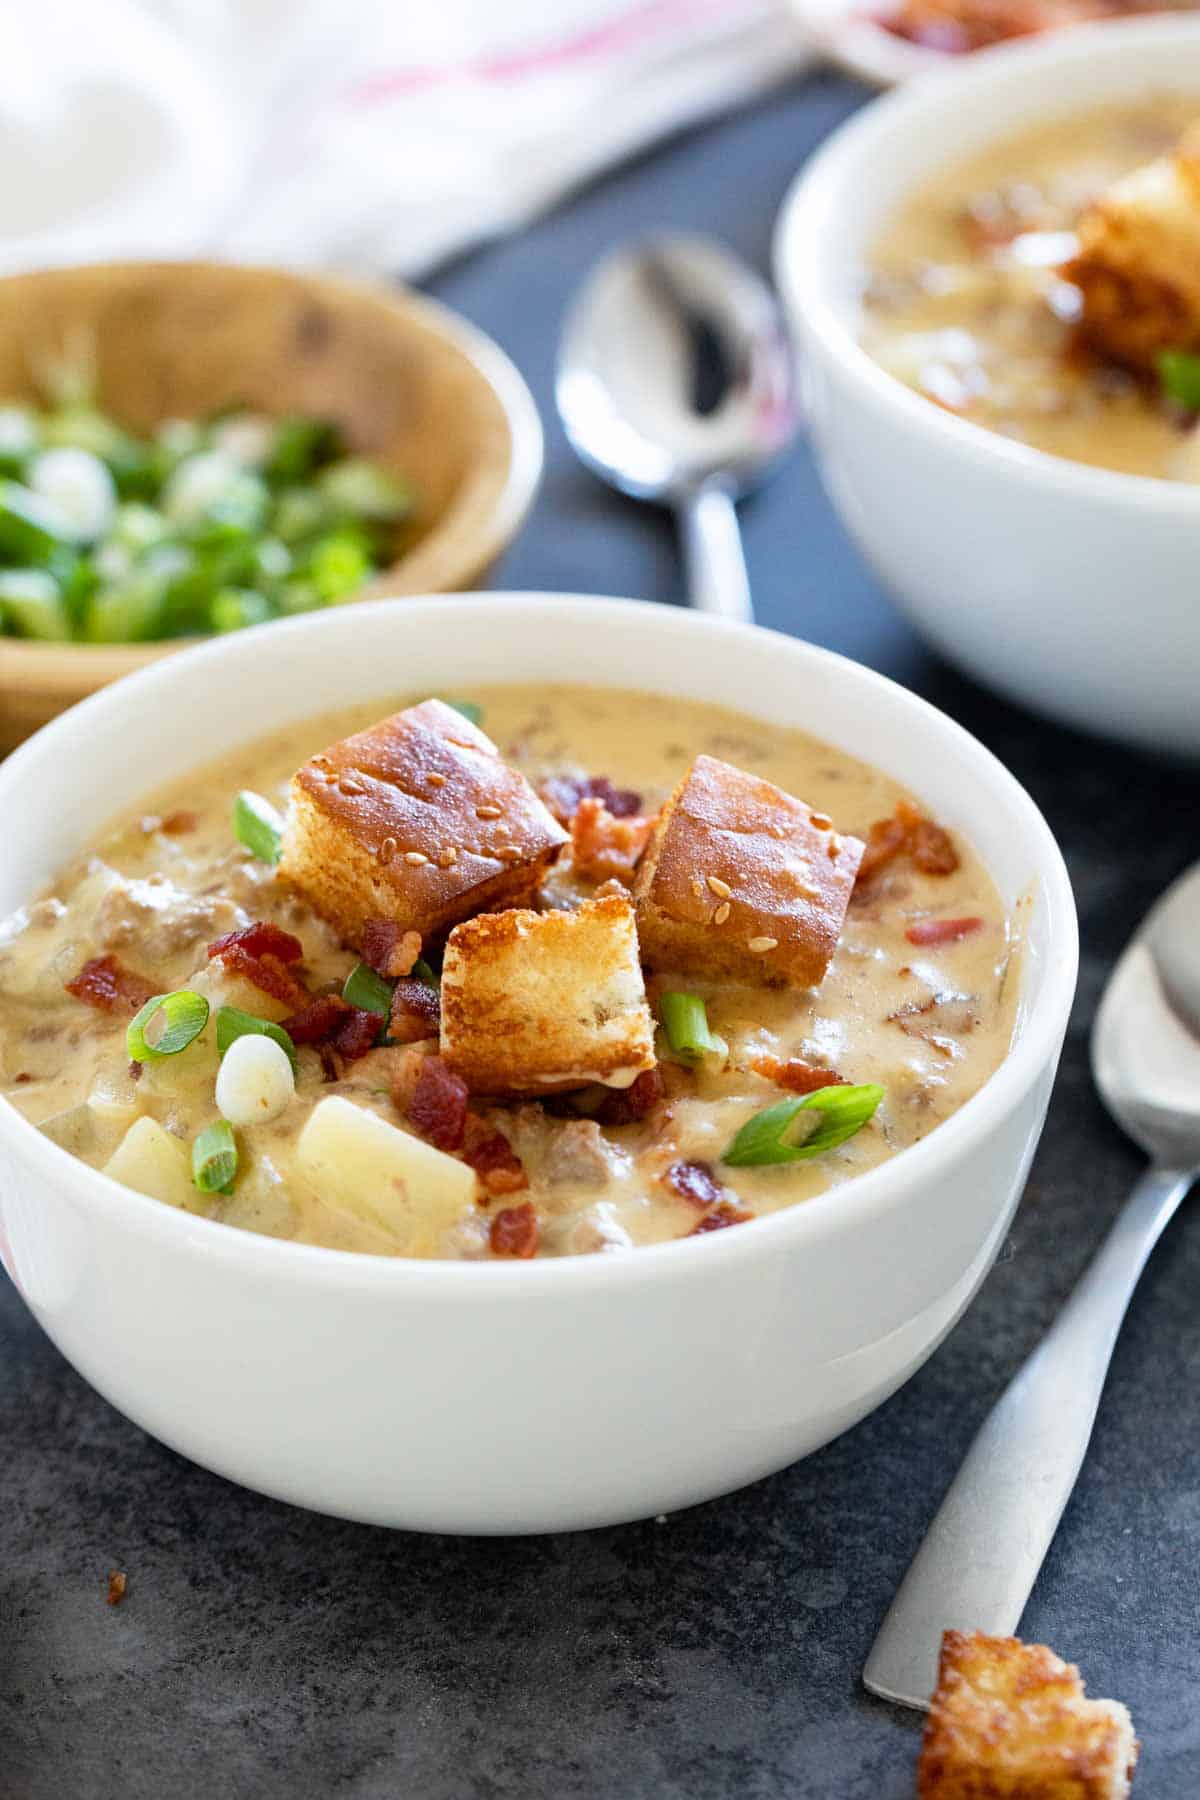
<point x="807" y="252"/>
<point x="851" y="1206"/>
<point x="475" y="546"/>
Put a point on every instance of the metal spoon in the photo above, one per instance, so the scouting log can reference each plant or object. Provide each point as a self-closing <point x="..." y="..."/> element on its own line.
<point x="981" y="1555"/>
<point x="676" y="384"/>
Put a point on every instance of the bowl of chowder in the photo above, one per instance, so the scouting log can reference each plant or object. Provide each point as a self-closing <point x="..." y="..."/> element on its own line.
<point x="993" y="276"/>
<point x="461" y="1097"/>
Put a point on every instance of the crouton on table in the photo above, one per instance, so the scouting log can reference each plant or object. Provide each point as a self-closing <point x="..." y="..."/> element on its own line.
<point x="1010" y="1721"/>
<point x="741" y="880"/>
<point x="1138" y="262"/>
<point x="416" y="820"/>
<point x="539" y="1002"/>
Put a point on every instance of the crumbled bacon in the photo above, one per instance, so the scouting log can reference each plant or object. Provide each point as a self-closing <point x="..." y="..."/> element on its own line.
<point x="693" y="1181"/>
<point x="797" y="1076"/>
<point x="389" y="949"/>
<point x="437" y="1106"/>
<point x="720" y="1216"/>
<point x="936" y="1016"/>
<point x="134" y="1070"/>
<point x="909" y="833"/>
<point x="604" y="845"/>
<point x="263" y="938"/>
<point x="489" y="1153"/>
<point x="315" y="1023"/>
<point x="356" y="1033"/>
<point x="514" y="1231"/>
<point x="175" y="824"/>
<point x="942" y="931"/>
<point x="260" y="953"/>
<point x="416" y="1012"/>
<point x="563" y="793"/>
<point x="115" y="1592"/>
<point x="622" y="1106"/>
<point x="107" y="985"/>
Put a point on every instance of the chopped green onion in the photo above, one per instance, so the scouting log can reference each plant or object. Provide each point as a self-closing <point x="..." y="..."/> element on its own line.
<point x="367" y="489"/>
<point x="183" y="1017"/>
<point x="769" y="1136"/>
<point x="686" y="1023"/>
<point x="126" y="612"/>
<point x="30" y="601"/>
<point x="300" y="446"/>
<point x="258" y="825"/>
<point x="366" y="989"/>
<point x="338" y="564"/>
<point x="1179" y="373"/>
<point x="30" y="527"/>
<point x="468" y="709"/>
<point x="233" y="608"/>
<point x="233" y="1023"/>
<point x="423" y="971"/>
<point x="215" y="1158"/>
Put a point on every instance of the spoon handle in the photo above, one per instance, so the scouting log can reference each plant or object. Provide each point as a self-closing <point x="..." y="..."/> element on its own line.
<point x="712" y="555"/>
<point x="981" y="1555"/>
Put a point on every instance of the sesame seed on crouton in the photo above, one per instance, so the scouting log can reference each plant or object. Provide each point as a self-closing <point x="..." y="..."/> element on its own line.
<point x="1010" y="1721"/>
<point x="740" y="881"/>
<point x="534" y="1003"/>
<point x="416" y="820"/>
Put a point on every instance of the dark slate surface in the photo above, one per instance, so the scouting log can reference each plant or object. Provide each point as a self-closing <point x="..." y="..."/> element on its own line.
<point x="268" y="1652"/>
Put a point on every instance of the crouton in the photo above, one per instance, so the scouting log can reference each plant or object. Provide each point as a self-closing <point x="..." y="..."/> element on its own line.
<point x="534" y="1003"/>
<point x="1010" y="1721"/>
<point x="741" y="880"/>
<point x="1138" y="262"/>
<point x="417" y="821"/>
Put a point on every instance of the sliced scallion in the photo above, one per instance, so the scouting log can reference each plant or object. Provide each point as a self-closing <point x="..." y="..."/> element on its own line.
<point x="215" y="1158"/>
<point x="176" y="1020"/>
<point x="770" y="1136"/>
<point x="686" y="1023"/>
<point x="1179" y="373"/>
<point x="258" y="825"/>
<point x="233" y="1023"/>
<point x="365" y="989"/>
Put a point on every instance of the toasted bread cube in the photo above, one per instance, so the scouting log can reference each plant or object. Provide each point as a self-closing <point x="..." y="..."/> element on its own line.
<point x="1138" y="262"/>
<point x="739" y="881"/>
<point x="534" y="1003"/>
<point x="1010" y="1721"/>
<point x="417" y="820"/>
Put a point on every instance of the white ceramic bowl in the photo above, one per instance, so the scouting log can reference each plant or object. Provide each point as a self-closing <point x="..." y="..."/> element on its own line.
<point x="1070" y="588"/>
<point x="485" y="1398"/>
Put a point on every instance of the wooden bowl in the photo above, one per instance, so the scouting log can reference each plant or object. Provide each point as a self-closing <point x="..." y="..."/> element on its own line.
<point x="407" y="381"/>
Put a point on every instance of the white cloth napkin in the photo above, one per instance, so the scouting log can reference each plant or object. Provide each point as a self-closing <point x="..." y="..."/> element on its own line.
<point x="376" y="135"/>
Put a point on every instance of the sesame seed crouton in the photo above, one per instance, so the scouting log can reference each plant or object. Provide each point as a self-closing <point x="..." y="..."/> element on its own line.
<point x="1138" y="262"/>
<point x="1010" y="1721"/>
<point x="416" y="820"/>
<point x="534" y="1003"/>
<point x="738" y="881"/>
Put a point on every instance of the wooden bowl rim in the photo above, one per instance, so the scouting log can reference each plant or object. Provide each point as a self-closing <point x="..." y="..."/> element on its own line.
<point x="452" y="555"/>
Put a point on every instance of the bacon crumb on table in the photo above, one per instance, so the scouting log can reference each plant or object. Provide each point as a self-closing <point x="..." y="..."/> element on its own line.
<point x="437" y="1107"/>
<point x="720" y="1216"/>
<point x="942" y="931"/>
<point x="514" y="1231"/>
<point x="116" y="1588"/>
<point x="107" y="985"/>
<point x="797" y="1076"/>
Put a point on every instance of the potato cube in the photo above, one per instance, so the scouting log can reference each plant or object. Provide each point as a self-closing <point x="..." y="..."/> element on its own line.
<point x="742" y="881"/>
<point x="395" y="1182"/>
<point x="538" y="1002"/>
<point x="416" y="820"/>
<point x="156" y="1163"/>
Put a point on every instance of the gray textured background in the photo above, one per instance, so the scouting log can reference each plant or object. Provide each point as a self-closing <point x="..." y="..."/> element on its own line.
<point x="268" y="1652"/>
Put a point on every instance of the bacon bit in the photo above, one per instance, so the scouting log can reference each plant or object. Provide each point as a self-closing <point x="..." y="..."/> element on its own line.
<point x="886" y="839"/>
<point x="357" y="1033"/>
<point x="604" y="845"/>
<point x="438" y="1105"/>
<point x="797" y="1076"/>
<point x="514" y="1231"/>
<point x="416" y="1012"/>
<point x="489" y="1153"/>
<point x="263" y="938"/>
<point x="176" y="824"/>
<point x="135" y="1070"/>
<point x="932" y="850"/>
<point x="625" y="1105"/>
<point x="316" y="1022"/>
<point x="563" y="793"/>
<point x="115" y="1591"/>
<point x="26" y="1076"/>
<point x="716" y="1220"/>
<point x="910" y="833"/>
<point x="942" y="931"/>
<point x="693" y="1181"/>
<point x="389" y="949"/>
<point x="267" y="973"/>
<point x="107" y="985"/>
<point x="331" y="1065"/>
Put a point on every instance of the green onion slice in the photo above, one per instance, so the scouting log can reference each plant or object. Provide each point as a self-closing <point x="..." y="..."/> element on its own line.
<point x="368" y="990"/>
<point x="258" y="825"/>
<point x="769" y="1137"/>
<point x="686" y="1023"/>
<point x="215" y="1158"/>
<point x="233" y="1023"/>
<point x="180" y="1018"/>
<point x="1179" y="373"/>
